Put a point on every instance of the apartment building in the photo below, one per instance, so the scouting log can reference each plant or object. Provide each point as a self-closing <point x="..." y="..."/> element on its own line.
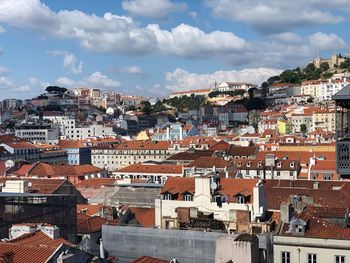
<point x="42" y="133"/>
<point x="236" y="202"/>
<point x="70" y="130"/>
<point x="323" y="90"/>
<point x="114" y="157"/>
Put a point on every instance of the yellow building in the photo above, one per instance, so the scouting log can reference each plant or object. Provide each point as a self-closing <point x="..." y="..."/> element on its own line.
<point x="284" y="127"/>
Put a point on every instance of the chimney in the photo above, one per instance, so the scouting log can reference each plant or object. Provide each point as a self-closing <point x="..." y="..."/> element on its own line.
<point x="102" y="251"/>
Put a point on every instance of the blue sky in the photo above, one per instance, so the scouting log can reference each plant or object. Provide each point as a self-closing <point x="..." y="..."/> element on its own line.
<point x="155" y="47"/>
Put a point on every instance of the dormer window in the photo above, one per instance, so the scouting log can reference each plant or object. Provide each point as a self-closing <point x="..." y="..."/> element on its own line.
<point x="249" y="164"/>
<point x="259" y="164"/>
<point x="292" y="165"/>
<point x="279" y="165"/>
<point x="167" y="196"/>
<point x="240" y="199"/>
<point x="188" y="197"/>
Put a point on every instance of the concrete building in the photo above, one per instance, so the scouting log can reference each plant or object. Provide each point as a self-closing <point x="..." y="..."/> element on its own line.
<point x="244" y="249"/>
<point x="70" y="130"/>
<point x="79" y="151"/>
<point x="232" y="86"/>
<point x="236" y="202"/>
<point x="42" y="133"/>
<point x="156" y="173"/>
<point x="118" y="156"/>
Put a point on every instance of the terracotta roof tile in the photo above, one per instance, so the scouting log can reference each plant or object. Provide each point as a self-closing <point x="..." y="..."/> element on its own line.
<point x="95" y="183"/>
<point x="208" y="162"/>
<point x="147" y="259"/>
<point x="152" y="168"/>
<point x="89" y="224"/>
<point x="144" y="145"/>
<point x="230" y="187"/>
<point x="145" y="216"/>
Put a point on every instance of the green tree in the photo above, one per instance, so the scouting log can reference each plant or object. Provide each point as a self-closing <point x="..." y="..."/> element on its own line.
<point x="56" y="89"/>
<point x="289" y="76"/>
<point x="324" y="66"/>
<point x="255" y="104"/>
<point x="146" y="107"/>
<point x="303" y="128"/>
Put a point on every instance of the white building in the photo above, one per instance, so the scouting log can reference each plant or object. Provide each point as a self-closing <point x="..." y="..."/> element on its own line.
<point x="228" y="199"/>
<point x="69" y="129"/>
<point x="322" y="90"/>
<point x="38" y="133"/>
<point x="232" y="86"/>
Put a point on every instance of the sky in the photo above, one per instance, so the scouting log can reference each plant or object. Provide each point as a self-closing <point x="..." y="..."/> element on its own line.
<point x="156" y="47"/>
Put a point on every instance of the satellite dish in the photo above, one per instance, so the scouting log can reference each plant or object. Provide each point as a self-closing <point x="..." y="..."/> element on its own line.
<point x="213" y="186"/>
<point x="9" y="164"/>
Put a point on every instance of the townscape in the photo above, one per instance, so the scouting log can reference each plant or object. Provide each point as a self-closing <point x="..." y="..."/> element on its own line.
<point x="233" y="172"/>
<point x="174" y="131"/>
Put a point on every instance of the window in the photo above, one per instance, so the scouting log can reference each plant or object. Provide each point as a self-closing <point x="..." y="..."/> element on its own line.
<point x="311" y="258"/>
<point x="327" y="176"/>
<point x="188" y="197"/>
<point x="240" y="199"/>
<point x="167" y="197"/>
<point x="339" y="259"/>
<point x="285" y="257"/>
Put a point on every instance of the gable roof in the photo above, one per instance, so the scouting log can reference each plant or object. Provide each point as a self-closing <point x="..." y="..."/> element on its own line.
<point x="230" y="187"/>
<point x="148" y="259"/>
<point x="209" y="162"/>
<point x="152" y="168"/>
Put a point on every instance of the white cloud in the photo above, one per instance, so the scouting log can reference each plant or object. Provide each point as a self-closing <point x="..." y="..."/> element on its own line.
<point x="157" y="9"/>
<point x="3" y="71"/>
<point x="2" y="29"/>
<point x="135" y="70"/>
<point x="191" y="42"/>
<point x="271" y="16"/>
<point x="120" y="34"/>
<point x="323" y="41"/>
<point x="181" y="79"/>
<point x="95" y="80"/>
<point x="70" y="62"/>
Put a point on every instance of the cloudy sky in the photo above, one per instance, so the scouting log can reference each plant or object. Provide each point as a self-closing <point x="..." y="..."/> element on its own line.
<point x="155" y="47"/>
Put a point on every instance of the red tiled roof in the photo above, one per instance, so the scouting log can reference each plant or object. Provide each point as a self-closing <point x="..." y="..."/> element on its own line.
<point x="42" y="185"/>
<point x="152" y="168"/>
<point x="144" y="145"/>
<point x="208" y="162"/>
<point x="329" y="193"/>
<point x="21" y="145"/>
<point x="35" y="247"/>
<point x="38" y="238"/>
<point x="89" y="224"/>
<point x="145" y="216"/>
<point x="322" y="165"/>
<point x="190" y="156"/>
<point x="147" y="259"/>
<point x="88" y="209"/>
<point x="230" y="187"/>
<point x="95" y="183"/>
<point x="15" y="253"/>
<point x="45" y="169"/>
<point x="64" y="144"/>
